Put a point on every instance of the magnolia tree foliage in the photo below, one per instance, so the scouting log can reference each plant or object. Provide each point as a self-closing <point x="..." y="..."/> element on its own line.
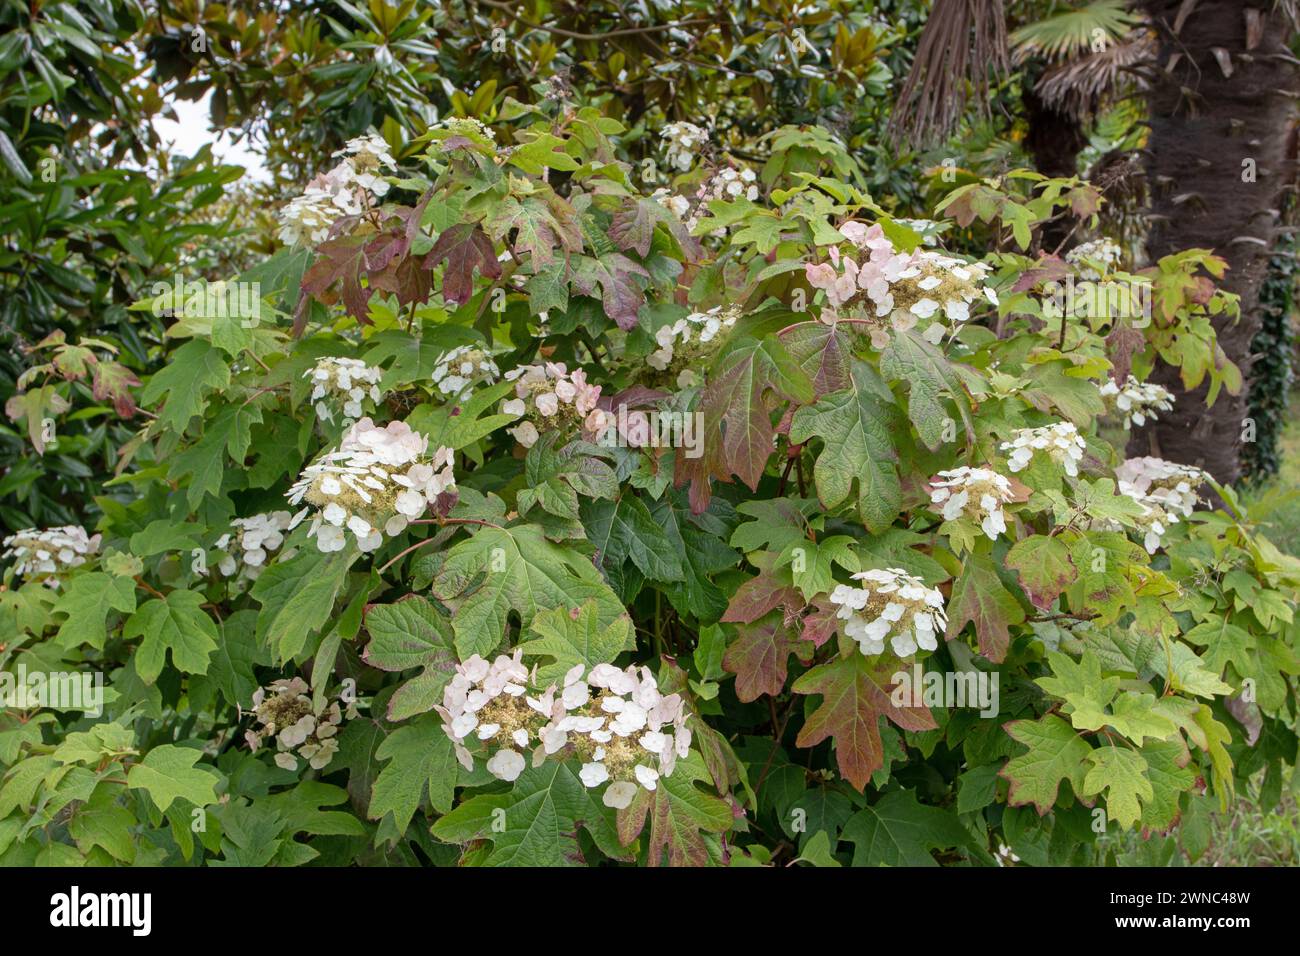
<point x="534" y="519"/>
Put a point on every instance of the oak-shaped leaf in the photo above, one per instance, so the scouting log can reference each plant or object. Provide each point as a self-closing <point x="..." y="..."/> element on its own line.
<point x="539" y="224"/>
<point x="421" y="766"/>
<point x="824" y="352"/>
<point x="404" y="635"/>
<point x="683" y="818"/>
<point x="297" y="597"/>
<point x="624" y="530"/>
<point x="633" y="226"/>
<point x="499" y="570"/>
<point x="543" y="812"/>
<point x="855" y="425"/>
<point x="465" y="248"/>
<point x="855" y="692"/>
<point x="1055" y="753"/>
<point x="932" y="383"/>
<point x="759" y="656"/>
<point x="897" y="830"/>
<point x="979" y="597"/>
<point x="615" y="275"/>
<point x="738" y="430"/>
<point x="175" y="623"/>
<point x="1044" y="566"/>
<point x="167" y="773"/>
<point x="771" y="588"/>
<point x="114" y="381"/>
<point x="1122" y="774"/>
<point x="569" y="636"/>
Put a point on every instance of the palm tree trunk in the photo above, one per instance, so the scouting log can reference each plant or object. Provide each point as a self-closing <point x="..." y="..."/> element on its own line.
<point x="1216" y="165"/>
<point x="1054" y="138"/>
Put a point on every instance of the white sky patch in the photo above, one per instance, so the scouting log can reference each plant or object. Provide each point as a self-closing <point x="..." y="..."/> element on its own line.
<point x="192" y="130"/>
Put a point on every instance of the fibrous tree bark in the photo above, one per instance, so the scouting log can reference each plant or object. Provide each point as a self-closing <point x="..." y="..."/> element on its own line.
<point x="1221" y="105"/>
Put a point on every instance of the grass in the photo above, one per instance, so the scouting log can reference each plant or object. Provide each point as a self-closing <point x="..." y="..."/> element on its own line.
<point x="1247" y="836"/>
<point x="1282" y="523"/>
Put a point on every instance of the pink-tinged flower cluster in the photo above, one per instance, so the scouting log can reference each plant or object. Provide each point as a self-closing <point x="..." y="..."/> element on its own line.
<point x="301" y="728"/>
<point x="373" y="485"/>
<point x="899" y="290"/>
<point x="1164" y="491"/>
<point x="1174" y="486"/>
<point x="614" y="720"/>
<point x="551" y="398"/>
<point x="733" y="181"/>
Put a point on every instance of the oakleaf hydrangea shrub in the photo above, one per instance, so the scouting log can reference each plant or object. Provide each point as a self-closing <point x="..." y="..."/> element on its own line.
<point x="544" y="520"/>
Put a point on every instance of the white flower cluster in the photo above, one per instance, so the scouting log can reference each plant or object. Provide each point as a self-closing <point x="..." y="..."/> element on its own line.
<point x="1139" y="401"/>
<point x="343" y="191"/>
<point x="1102" y="251"/>
<point x="904" y="289"/>
<point x="1174" y="486"/>
<point x="1156" y="518"/>
<point x="977" y="493"/>
<point x="285" y="711"/>
<point x="343" y="381"/>
<point x="675" y="203"/>
<point x="730" y="182"/>
<point x="686" y="344"/>
<point x="49" y="551"/>
<point x="893" y="603"/>
<point x="684" y="141"/>
<point x="373" y="484"/>
<point x="554" y="398"/>
<point x="459" y="370"/>
<point x="1061" y="440"/>
<point x="625" y="732"/>
<point x="245" y="548"/>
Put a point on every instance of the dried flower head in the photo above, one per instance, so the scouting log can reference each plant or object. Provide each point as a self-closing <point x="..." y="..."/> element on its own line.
<point x="301" y="728"/>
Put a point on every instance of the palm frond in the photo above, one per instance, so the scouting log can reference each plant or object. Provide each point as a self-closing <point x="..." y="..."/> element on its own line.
<point x="1079" y="86"/>
<point x="962" y="41"/>
<point x="1072" y="32"/>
